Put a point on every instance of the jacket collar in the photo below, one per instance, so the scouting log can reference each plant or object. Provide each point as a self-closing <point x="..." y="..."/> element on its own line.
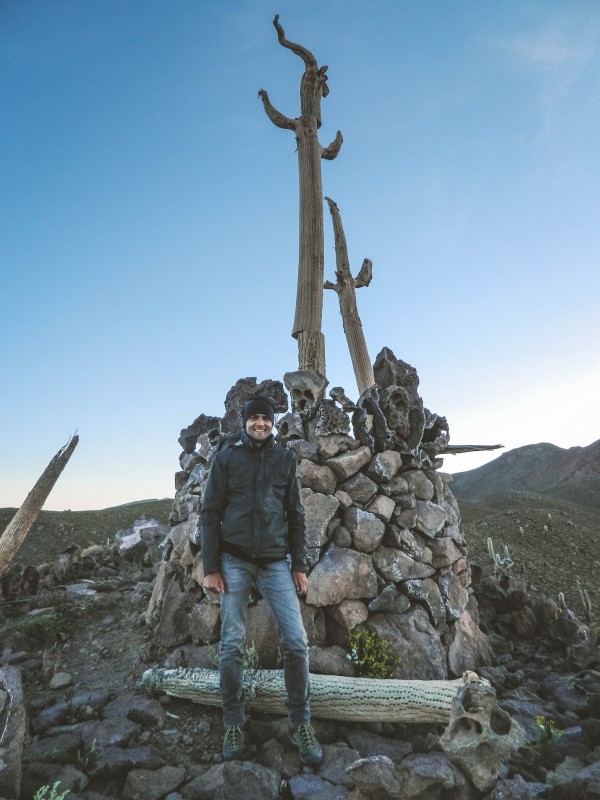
<point x="246" y="441"/>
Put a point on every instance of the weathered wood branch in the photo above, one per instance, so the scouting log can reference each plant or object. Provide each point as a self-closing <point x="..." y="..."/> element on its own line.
<point x="305" y="55"/>
<point x="454" y="449"/>
<point x="313" y="85"/>
<point x="345" y="287"/>
<point x="276" y="117"/>
<point x="365" y="274"/>
<point x="331" y="151"/>
<point x="20" y="525"/>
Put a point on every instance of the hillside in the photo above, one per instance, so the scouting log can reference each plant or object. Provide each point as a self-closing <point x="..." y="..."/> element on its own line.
<point x="537" y="475"/>
<point x="542" y="502"/>
<point x="549" y="553"/>
<point x="55" y="530"/>
<point x="510" y="494"/>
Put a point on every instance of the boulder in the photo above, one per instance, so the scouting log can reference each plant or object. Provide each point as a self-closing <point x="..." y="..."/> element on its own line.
<point x="349" y="463"/>
<point x="414" y="642"/>
<point x="382" y="507"/>
<point x="419" y="484"/>
<point x="445" y="552"/>
<point x="454" y="593"/>
<point x="233" y="779"/>
<point x="152" y="784"/>
<point x="349" y="613"/>
<point x="341" y="573"/>
<point x="318" y="512"/>
<point x="365" y="528"/>
<point x="426" y="591"/>
<point x="205" y="622"/>
<point x="12" y="733"/>
<point x="360" y="488"/>
<point x="469" y="648"/>
<point x="317" y="477"/>
<point x="394" y="565"/>
<point x="430" y="518"/>
<point x="330" y="661"/>
<point x="384" y="466"/>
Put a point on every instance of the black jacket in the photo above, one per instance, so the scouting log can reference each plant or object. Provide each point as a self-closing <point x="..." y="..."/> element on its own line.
<point x="252" y="506"/>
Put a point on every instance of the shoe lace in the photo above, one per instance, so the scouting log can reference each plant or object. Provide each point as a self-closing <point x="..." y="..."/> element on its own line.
<point x="307" y="736"/>
<point x="233" y="736"/>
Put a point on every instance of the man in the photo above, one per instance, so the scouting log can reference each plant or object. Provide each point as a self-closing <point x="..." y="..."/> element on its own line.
<point x="252" y="519"/>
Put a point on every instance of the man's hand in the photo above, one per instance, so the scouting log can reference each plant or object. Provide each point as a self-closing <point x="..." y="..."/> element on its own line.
<point x="214" y="583"/>
<point x="300" y="582"/>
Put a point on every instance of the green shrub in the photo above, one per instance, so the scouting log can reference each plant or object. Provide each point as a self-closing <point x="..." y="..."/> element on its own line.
<point x="371" y="655"/>
<point x="547" y="736"/>
<point x="44" y="628"/>
<point x="50" y="793"/>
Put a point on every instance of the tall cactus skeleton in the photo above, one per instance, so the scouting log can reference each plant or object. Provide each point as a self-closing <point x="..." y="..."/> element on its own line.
<point x="309" y="295"/>
<point x="346" y="286"/>
<point x="20" y="525"/>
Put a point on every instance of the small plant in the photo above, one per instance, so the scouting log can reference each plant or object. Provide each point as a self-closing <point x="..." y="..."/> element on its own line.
<point x="212" y="653"/>
<point x="548" y="736"/>
<point x="74" y="711"/>
<point x="585" y="601"/>
<point x="44" y="628"/>
<point x="51" y="660"/>
<point x="251" y="659"/>
<point x="501" y="562"/>
<point x="87" y="759"/>
<point x="50" y="792"/>
<point x="279" y="661"/>
<point x="93" y="550"/>
<point x="371" y="655"/>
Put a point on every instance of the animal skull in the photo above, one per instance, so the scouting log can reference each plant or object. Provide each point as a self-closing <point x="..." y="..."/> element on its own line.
<point x="307" y="388"/>
<point x="289" y="427"/>
<point x="395" y="405"/>
<point x="480" y="735"/>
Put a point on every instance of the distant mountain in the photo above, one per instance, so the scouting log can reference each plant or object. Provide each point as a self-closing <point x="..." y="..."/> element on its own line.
<point x="535" y="474"/>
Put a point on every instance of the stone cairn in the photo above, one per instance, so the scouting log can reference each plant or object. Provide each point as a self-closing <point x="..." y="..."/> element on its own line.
<point x="385" y="550"/>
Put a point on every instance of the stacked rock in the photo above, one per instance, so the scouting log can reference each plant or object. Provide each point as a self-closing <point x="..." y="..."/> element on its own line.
<point x="385" y="550"/>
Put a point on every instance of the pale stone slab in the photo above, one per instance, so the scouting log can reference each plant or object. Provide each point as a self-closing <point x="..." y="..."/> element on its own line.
<point x="349" y="463"/>
<point x="394" y="565"/>
<point x="430" y="518"/>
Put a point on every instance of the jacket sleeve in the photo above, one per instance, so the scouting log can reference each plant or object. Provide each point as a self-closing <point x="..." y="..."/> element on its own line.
<point x="213" y="503"/>
<point x="295" y="519"/>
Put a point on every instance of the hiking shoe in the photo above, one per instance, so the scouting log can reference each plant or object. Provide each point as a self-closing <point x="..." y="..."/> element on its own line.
<point x="303" y="736"/>
<point x="233" y="743"/>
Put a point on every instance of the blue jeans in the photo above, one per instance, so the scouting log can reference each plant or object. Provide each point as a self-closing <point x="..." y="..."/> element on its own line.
<point x="277" y="587"/>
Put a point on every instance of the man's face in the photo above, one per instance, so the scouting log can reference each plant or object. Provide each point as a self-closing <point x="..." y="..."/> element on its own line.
<point x="259" y="427"/>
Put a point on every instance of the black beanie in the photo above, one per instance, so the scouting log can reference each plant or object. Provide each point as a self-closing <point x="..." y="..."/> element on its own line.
<point x="259" y="405"/>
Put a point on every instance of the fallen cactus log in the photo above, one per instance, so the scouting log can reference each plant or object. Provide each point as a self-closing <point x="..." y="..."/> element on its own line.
<point x="331" y="696"/>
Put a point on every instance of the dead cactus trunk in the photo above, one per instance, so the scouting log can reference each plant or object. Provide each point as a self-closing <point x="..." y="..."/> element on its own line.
<point x="309" y="296"/>
<point x="346" y="286"/>
<point x="20" y="525"/>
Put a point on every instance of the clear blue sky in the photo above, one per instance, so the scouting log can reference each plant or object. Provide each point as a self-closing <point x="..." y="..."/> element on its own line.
<point x="148" y="220"/>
